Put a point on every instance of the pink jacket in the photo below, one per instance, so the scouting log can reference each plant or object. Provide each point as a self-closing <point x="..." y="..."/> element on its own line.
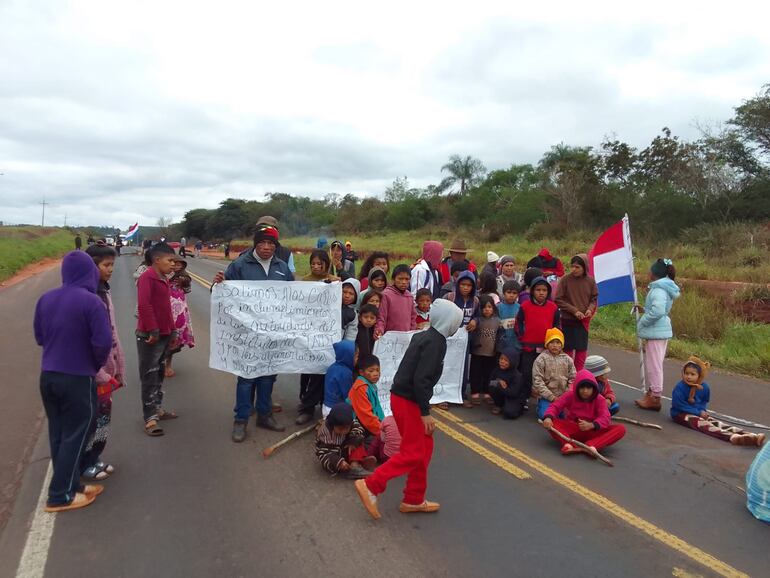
<point x="116" y="362"/>
<point x="574" y="408"/>
<point x="396" y="311"/>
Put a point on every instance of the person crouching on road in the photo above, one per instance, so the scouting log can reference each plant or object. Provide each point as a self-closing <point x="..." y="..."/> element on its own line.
<point x="586" y="416"/>
<point x="339" y="444"/>
<point x="552" y="373"/>
<point x="155" y="335"/>
<point x="73" y="327"/>
<point x="259" y="264"/>
<point x="689" y="407"/>
<point x="417" y="374"/>
<point x="507" y="386"/>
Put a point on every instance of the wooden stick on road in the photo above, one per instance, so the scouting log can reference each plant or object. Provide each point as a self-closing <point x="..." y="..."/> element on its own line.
<point x="591" y="450"/>
<point x="636" y="422"/>
<point x="267" y="452"/>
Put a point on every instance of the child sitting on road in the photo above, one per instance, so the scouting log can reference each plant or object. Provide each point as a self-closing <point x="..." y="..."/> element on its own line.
<point x="600" y="369"/>
<point x="363" y="395"/>
<point x="507" y="386"/>
<point x="339" y="444"/>
<point x="507" y="310"/>
<point x="585" y="416"/>
<point x="397" y="306"/>
<point x="552" y="373"/>
<point x="423" y="300"/>
<point x="689" y="404"/>
<point x="484" y="350"/>
<point x="367" y="318"/>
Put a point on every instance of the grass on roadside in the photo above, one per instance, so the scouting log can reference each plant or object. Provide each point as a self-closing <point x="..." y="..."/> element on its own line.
<point x="22" y="246"/>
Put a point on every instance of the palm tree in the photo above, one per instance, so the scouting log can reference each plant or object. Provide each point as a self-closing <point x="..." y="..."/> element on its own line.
<point x="466" y="172"/>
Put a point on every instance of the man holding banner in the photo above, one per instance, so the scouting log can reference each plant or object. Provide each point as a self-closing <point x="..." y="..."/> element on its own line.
<point x="419" y="371"/>
<point x="259" y="264"/>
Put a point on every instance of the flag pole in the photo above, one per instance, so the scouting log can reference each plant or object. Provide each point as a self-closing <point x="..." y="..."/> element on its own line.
<point x="627" y="232"/>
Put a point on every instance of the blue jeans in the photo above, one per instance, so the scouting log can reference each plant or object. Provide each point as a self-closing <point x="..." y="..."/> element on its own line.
<point x="614" y="408"/>
<point x="244" y="396"/>
<point x="542" y="406"/>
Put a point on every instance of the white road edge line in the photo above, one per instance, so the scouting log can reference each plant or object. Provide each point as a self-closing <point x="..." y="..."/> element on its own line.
<point x="748" y="423"/>
<point x="35" y="554"/>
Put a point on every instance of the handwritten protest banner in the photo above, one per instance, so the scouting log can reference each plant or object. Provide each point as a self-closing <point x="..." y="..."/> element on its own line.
<point x="267" y="327"/>
<point x="390" y="349"/>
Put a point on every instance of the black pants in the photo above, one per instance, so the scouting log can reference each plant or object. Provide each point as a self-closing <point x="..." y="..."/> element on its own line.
<point x="481" y="372"/>
<point x="311" y="388"/>
<point x="512" y="406"/>
<point x="70" y="405"/>
<point x="525" y="367"/>
<point x="152" y="365"/>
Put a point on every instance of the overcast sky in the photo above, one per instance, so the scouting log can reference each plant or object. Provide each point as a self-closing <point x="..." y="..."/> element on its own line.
<point x="118" y="112"/>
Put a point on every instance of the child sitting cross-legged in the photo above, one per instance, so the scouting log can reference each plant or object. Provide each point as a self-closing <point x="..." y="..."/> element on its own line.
<point x="689" y="402"/>
<point x="553" y="371"/>
<point x="339" y="444"/>
<point x="600" y="369"/>
<point x="586" y="417"/>
<point x="507" y="385"/>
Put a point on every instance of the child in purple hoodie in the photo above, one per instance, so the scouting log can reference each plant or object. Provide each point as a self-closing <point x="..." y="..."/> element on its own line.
<point x="73" y="327"/>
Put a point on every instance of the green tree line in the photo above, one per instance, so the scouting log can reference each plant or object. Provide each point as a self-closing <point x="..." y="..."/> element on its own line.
<point x="666" y="187"/>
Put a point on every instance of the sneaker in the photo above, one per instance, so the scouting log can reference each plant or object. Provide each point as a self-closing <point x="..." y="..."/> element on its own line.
<point x="268" y="422"/>
<point x="79" y="501"/>
<point x="368" y="499"/>
<point x="426" y="507"/>
<point x="239" y="431"/>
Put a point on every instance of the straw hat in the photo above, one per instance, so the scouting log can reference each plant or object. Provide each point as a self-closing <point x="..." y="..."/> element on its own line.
<point x="458" y="246"/>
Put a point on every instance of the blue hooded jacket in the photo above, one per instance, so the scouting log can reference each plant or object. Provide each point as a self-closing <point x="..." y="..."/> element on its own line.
<point x="469" y="307"/>
<point x="71" y="322"/>
<point x="339" y="376"/>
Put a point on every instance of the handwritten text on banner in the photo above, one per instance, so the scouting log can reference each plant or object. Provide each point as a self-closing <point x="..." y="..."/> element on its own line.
<point x="267" y="327"/>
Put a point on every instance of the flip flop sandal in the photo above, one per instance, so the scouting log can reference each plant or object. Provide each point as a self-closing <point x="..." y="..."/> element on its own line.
<point x="109" y="468"/>
<point x="152" y="429"/>
<point x="476" y="401"/>
<point x="443" y="405"/>
<point x="95" y="473"/>
<point x="166" y="415"/>
<point x="496" y="410"/>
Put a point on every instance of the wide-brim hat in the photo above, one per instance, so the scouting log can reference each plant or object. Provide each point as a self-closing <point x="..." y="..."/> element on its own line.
<point x="267" y="220"/>
<point x="458" y="246"/>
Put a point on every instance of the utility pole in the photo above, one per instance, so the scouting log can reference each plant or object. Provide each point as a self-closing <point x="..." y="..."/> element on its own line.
<point x="44" y="204"/>
<point x="65" y="220"/>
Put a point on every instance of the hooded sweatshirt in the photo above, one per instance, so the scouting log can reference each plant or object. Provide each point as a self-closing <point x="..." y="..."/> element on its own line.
<point x="366" y="284"/>
<point x="339" y="376"/>
<point x="425" y="274"/>
<point x="693" y="400"/>
<point x="534" y="318"/>
<point x="655" y="323"/>
<point x="349" y="315"/>
<point x="423" y="362"/>
<point x="396" y="311"/>
<point x="594" y="409"/>
<point x="470" y="305"/>
<point x="72" y="323"/>
<point x="348" y="267"/>
<point x="512" y="375"/>
<point x="575" y="294"/>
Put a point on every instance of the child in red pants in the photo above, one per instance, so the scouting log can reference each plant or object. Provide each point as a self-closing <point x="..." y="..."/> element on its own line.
<point x="586" y="416"/>
<point x="418" y="372"/>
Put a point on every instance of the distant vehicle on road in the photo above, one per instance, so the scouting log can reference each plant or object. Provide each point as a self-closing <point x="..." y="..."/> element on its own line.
<point x="110" y="241"/>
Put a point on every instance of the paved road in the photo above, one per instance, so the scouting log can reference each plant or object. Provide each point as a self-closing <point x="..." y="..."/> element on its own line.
<point x="192" y="503"/>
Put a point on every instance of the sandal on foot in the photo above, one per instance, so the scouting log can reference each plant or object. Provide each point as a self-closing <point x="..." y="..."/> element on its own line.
<point x="165" y="415"/>
<point x="443" y="405"/>
<point x="488" y="399"/>
<point x="496" y="410"/>
<point x="467" y="403"/>
<point x="109" y="468"/>
<point x="95" y="473"/>
<point x="79" y="501"/>
<point x="152" y="429"/>
<point x="169" y="372"/>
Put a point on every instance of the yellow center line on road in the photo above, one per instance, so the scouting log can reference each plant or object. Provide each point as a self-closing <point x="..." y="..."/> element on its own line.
<point x="504" y="465"/>
<point x="199" y="279"/>
<point x="651" y="530"/>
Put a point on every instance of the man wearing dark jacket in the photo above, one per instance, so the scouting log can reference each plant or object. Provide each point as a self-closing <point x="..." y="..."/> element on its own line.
<point x="73" y="327"/>
<point x="419" y="371"/>
<point x="259" y="264"/>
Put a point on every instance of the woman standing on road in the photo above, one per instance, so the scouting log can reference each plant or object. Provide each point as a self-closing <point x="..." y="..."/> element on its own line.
<point x="655" y="329"/>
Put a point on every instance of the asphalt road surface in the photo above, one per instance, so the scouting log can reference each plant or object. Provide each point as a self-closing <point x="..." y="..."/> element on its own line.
<point x="192" y="503"/>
